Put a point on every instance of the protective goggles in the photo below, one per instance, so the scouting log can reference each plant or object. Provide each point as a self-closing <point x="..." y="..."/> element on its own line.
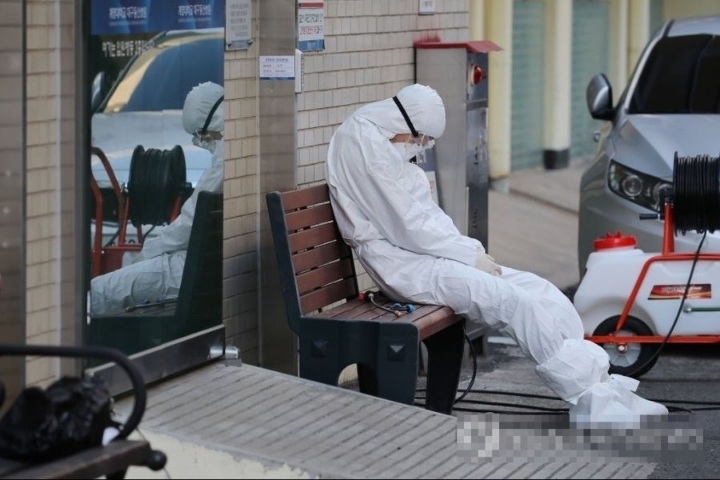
<point x="425" y="141"/>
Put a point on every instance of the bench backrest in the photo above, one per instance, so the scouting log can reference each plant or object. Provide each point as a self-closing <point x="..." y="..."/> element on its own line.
<point x="200" y="298"/>
<point x="315" y="264"/>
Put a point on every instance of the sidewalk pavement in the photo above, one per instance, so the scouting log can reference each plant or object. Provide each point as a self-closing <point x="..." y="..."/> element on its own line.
<point x="239" y="421"/>
<point x="534" y="227"/>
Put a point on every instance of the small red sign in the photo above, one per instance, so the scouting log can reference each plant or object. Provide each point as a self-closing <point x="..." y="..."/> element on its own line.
<point x="675" y="292"/>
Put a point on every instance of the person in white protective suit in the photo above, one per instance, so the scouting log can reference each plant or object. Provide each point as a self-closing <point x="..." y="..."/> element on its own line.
<point x="156" y="272"/>
<point x="412" y="250"/>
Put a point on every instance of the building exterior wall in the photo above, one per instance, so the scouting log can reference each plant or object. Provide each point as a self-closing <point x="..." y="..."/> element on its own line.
<point x="50" y="170"/>
<point x="590" y="56"/>
<point x="619" y="27"/>
<point x="527" y="83"/>
<point x="368" y="57"/>
<point x="240" y="286"/>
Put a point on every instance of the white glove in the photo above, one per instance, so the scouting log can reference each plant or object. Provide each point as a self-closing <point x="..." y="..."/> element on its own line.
<point x="487" y="264"/>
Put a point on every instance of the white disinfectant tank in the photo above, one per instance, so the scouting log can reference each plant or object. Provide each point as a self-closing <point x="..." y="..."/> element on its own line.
<point x="612" y="271"/>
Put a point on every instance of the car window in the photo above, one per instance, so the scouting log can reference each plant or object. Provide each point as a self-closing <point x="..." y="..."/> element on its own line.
<point x="681" y="75"/>
<point x="161" y="77"/>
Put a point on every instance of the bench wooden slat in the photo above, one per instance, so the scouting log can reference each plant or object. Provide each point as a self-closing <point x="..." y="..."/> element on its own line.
<point x="362" y="311"/>
<point x="429" y="319"/>
<point x="356" y="309"/>
<point x="341" y="311"/>
<point x="359" y="309"/>
<point x="91" y="463"/>
<point x="372" y="313"/>
<point x="431" y="323"/>
<point x="309" y="217"/>
<point x="305" y="197"/>
<point x="320" y="256"/>
<point x="327" y="295"/>
<point x="312" y="237"/>
<point x="324" y="275"/>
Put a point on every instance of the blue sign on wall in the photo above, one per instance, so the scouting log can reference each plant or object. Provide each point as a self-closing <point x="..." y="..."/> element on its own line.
<point x="113" y="17"/>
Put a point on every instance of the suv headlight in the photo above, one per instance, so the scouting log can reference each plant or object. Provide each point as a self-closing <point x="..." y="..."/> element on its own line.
<point x="637" y="187"/>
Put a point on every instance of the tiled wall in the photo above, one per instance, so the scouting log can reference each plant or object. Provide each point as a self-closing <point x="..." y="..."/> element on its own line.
<point x="368" y="57"/>
<point x="42" y="185"/>
<point x="50" y="174"/>
<point x="240" y="290"/>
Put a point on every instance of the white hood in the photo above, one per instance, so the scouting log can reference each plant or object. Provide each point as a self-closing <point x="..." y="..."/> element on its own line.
<point x="117" y="135"/>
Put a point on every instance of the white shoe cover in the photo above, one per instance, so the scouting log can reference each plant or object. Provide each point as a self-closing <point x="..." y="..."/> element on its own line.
<point x="578" y="373"/>
<point x="612" y="404"/>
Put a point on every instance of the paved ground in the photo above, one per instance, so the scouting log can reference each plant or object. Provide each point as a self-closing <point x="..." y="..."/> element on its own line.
<point x="535" y="228"/>
<point x="252" y="413"/>
<point x="681" y="373"/>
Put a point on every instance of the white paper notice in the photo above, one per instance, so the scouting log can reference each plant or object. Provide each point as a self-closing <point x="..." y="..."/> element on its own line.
<point x="238" y="20"/>
<point x="311" y="25"/>
<point x="277" y="67"/>
<point x="427" y="7"/>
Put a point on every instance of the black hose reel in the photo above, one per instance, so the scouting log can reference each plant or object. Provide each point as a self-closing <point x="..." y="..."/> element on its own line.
<point x="696" y="193"/>
<point x="157" y="178"/>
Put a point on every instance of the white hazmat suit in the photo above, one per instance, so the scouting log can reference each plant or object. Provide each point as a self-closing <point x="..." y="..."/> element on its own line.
<point x="156" y="272"/>
<point x="414" y="252"/>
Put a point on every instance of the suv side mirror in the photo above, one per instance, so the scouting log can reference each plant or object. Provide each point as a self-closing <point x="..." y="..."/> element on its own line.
<point x="599" y="98"/>
<point x="96" y="91"/>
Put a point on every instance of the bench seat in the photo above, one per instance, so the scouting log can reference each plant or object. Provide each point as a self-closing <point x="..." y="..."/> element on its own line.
<point x="429" y="319"/>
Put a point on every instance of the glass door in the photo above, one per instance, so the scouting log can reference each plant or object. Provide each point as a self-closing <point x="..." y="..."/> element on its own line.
<point x="155" y="193"/>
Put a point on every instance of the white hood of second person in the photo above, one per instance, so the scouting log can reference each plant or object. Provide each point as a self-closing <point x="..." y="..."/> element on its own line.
<point x="428" y="119"/>
<point x="648" y="142"/>
<point x="117" y="135"/>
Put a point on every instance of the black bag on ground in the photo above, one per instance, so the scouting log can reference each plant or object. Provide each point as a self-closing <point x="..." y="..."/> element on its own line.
<point x="68" y="417"/>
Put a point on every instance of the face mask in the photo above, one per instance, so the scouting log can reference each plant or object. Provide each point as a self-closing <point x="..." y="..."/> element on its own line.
<point x="407" y="150"/>
<point x="206" y="143"/>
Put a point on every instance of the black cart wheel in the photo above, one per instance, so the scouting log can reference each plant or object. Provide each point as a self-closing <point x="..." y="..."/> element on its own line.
<point x="629" y="359"/>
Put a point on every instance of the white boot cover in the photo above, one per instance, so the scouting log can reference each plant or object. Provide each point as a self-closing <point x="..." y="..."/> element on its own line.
<point x="578" y="374"/>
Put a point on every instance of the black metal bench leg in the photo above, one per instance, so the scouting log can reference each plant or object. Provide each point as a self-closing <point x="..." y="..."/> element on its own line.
<point x="119" y="475"/>
<point x="445" y="353"/>
<point x="367" y="379"/>
<point x="397" y="362"/>
<point x="319" y="368"/>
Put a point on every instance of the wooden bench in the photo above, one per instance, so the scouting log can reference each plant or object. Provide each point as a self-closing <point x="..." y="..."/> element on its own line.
<point x="317" y="271"/>
<point x="199" y="303"/>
